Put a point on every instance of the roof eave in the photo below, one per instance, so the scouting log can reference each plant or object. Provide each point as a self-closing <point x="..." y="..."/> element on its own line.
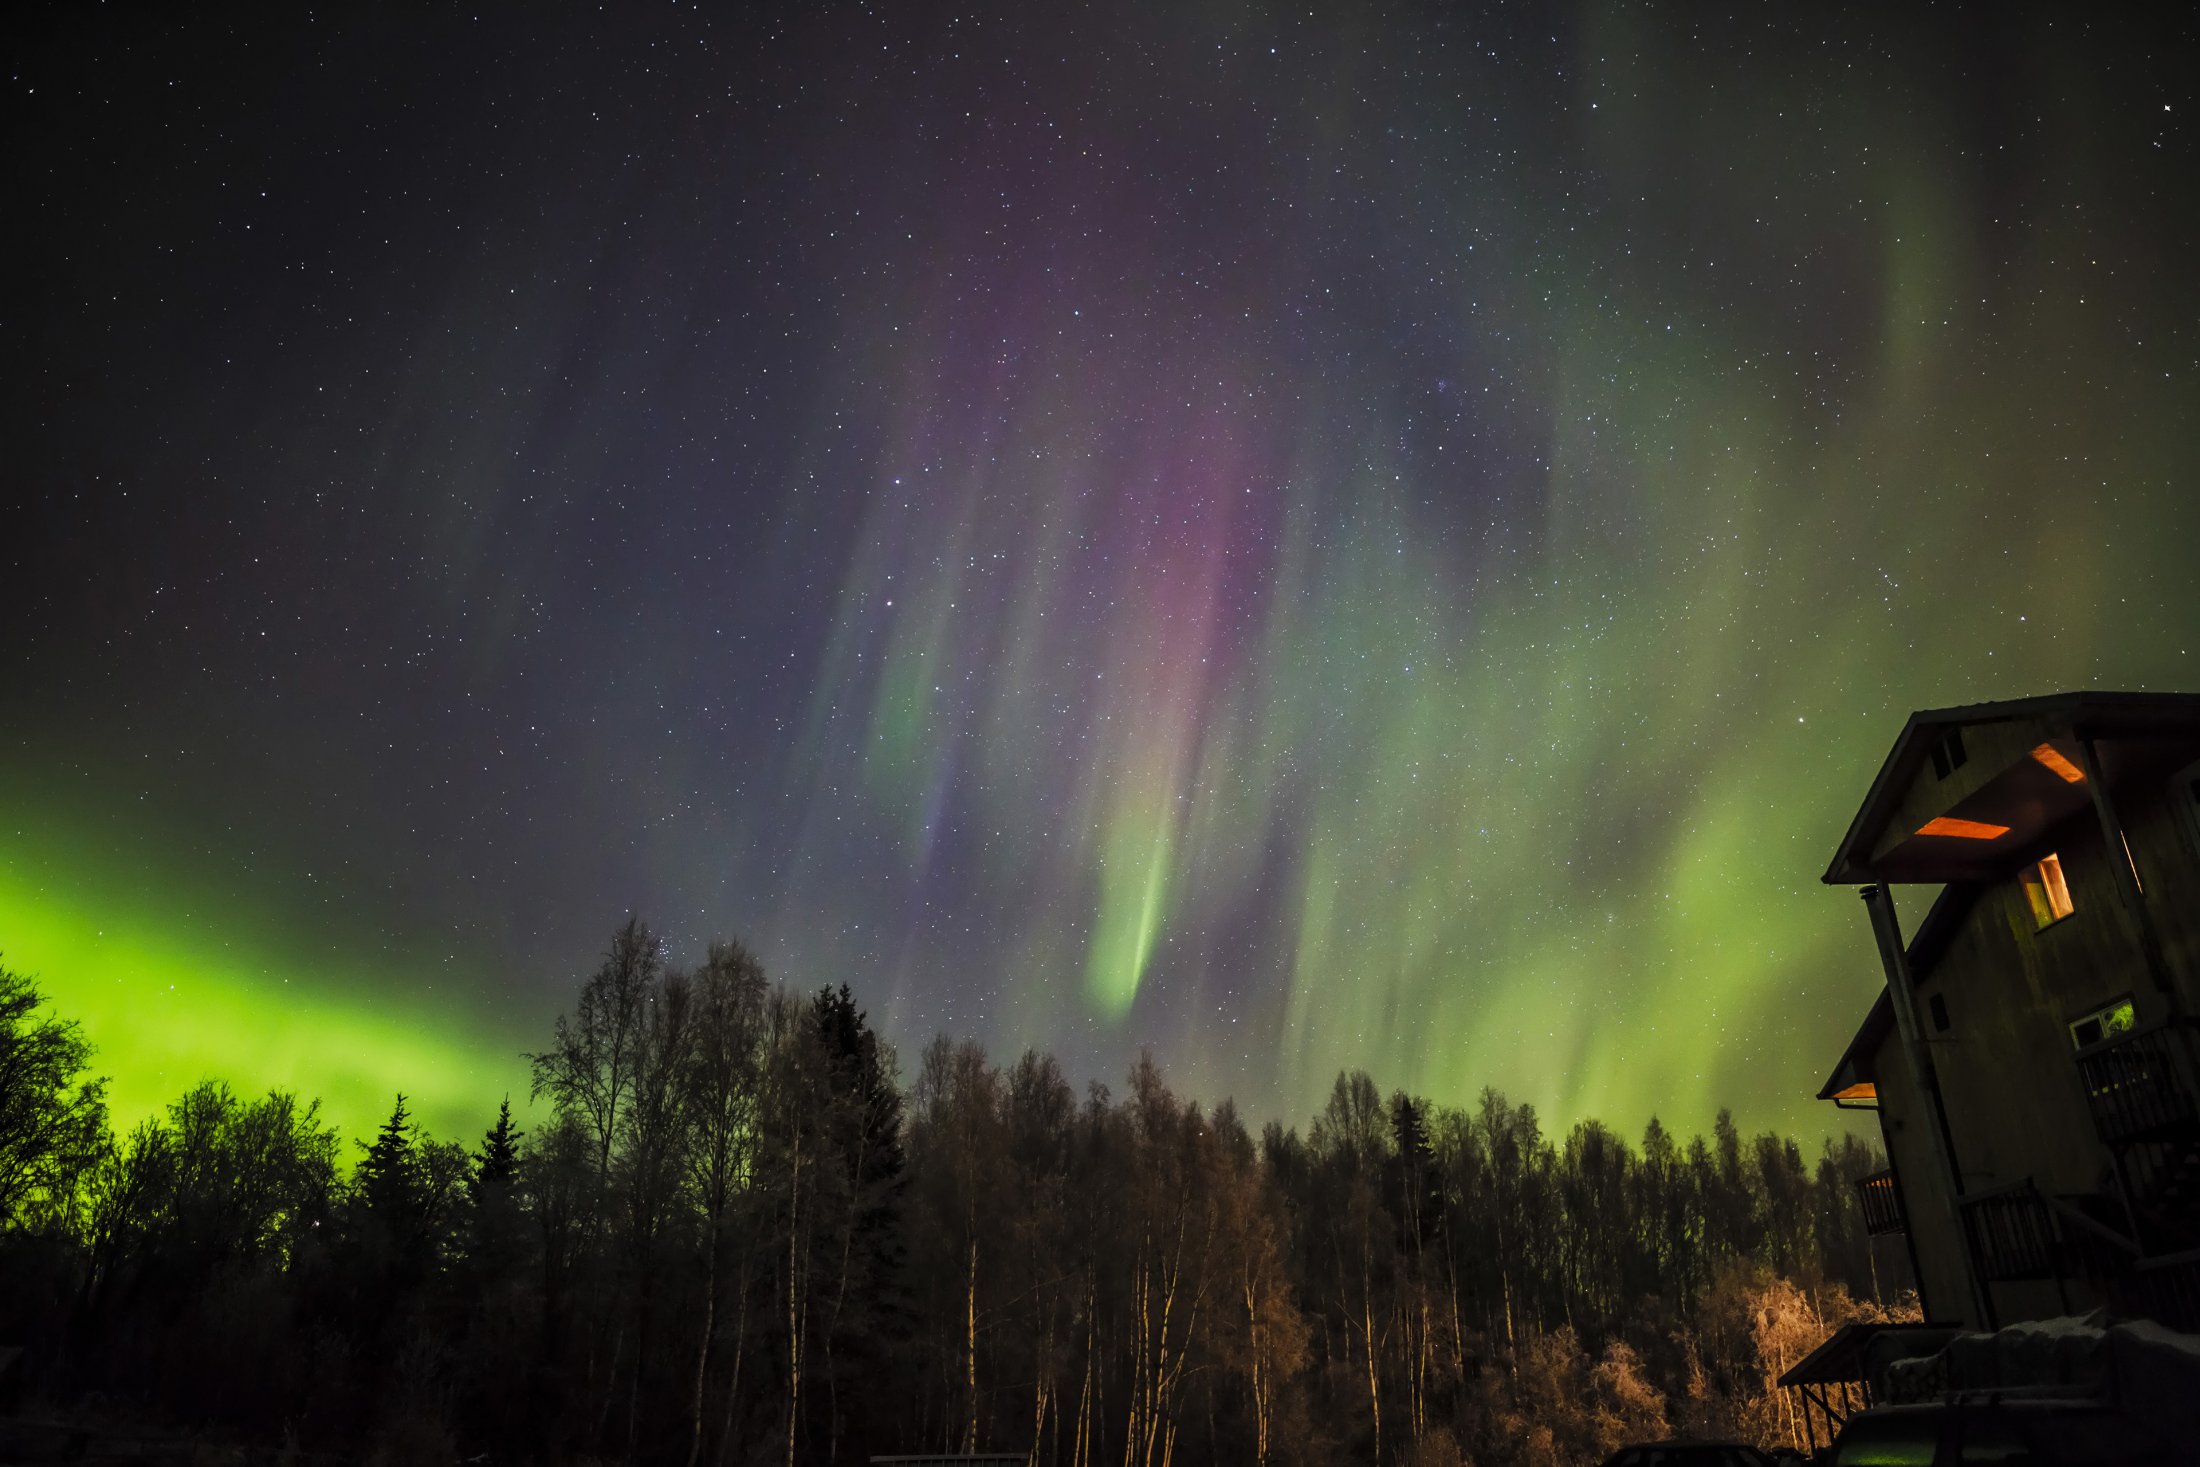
<point x="2078" y="708"/>
<point x="1870" y="1034"/>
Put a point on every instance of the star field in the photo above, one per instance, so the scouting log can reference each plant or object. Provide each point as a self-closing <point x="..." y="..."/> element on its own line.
<point x="1296" y="539"/>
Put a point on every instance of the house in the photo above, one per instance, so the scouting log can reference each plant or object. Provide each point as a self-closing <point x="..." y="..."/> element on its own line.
<point x="2034" y="1057"/>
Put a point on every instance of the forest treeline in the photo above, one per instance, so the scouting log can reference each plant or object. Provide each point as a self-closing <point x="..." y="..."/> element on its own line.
<point x="738" y="1236"/>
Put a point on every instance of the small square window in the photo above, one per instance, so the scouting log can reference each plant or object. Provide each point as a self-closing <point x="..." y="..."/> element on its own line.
<point x="1939" y="1005"/>
<point x="1948" y="755"/>
<point x="2105" y="1022"/>
<point x="2047" y="892"/>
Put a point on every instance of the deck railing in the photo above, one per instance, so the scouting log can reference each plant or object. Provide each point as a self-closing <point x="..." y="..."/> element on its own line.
<point x="2020" y="1232"/>
<point x="2140" y="1084"/>
<point x="1882" y="1206"/>
<point x="2012" y="1235"/>
<point x="2168" y="1289"/>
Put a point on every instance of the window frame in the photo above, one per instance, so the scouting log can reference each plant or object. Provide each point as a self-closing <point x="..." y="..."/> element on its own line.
<point x="2041" y="886"/>
<point x="2125" y="1003"/>
<point x="1948" y="753"/>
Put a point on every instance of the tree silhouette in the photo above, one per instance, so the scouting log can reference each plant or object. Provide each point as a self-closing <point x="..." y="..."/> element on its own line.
<point x="53" y="1119"/>
<point x="731" y="1239"/>
<point x="496" y="1223"/>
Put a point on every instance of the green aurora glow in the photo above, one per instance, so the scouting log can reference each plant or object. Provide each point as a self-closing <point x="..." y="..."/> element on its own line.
<point x="169" y="1001"/>
<point x="1339" y="546"/>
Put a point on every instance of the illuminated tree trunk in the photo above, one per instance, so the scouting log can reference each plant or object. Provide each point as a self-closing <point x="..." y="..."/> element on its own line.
<point x="1259" y="1368"/>
<point x="1374" y="1383"/>
<point x="970" y="1340"/>
<point x="794" y="1291"/>
<point x="1512" y="1338"/>
<point x="1087" y="1395"/>
<point x="1165" y="1326"/>
<point x="1420" y="1364"/>
<point x="1042" y="1393"/>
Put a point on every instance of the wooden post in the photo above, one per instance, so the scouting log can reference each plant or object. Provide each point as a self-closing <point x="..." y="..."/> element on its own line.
<point x="1894" y="958"/>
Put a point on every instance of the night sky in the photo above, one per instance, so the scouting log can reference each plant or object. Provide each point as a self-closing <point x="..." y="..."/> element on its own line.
<point x="1354" y="537"/>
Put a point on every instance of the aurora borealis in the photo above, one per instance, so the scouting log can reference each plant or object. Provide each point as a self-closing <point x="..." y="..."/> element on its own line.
<point x="1367" y="537"/>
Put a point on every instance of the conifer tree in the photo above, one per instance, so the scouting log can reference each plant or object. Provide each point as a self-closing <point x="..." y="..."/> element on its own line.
<point x="495" y="1221"/>
<point x="389" y="1175"/>
<point x="390" y="1192"/>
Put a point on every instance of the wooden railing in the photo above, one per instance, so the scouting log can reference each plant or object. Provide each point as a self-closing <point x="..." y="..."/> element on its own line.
<point x="2020" y="1232"/>
<point x="1882" y="1207"/>
<point x="2139" y="1085"/>
<point x="2011" y="1233"/>
<point x="2168" y="1289"/>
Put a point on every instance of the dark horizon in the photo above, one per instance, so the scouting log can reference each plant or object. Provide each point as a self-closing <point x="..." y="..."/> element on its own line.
<point x="736" y="1233"/>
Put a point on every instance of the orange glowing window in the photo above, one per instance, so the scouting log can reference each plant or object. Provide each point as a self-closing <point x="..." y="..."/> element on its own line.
<point x="1862" y="1092"/>
<point x="1962" y="829"/>
<point x="2047" y="892"/>
<point x="2051" y="757"/>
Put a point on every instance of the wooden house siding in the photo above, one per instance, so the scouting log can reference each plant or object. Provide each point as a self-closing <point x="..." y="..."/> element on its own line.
<point x="2031" y="1161"/>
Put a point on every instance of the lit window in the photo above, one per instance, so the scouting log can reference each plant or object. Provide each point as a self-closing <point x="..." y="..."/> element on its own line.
<point x="1960" y="829"/>
<point x="2048" y="893"/>
<point x="2050" y="757"/>
<point x="2103" y="1023"/>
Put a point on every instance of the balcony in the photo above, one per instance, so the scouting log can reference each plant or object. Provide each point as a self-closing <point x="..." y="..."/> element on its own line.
<point x="2139" y="1085"/>
<point x="1882" y="1207"/>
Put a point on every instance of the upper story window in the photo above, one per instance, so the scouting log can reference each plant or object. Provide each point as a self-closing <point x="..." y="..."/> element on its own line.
<point x="1948" y="755"/>
<point x="2047" y="892"/>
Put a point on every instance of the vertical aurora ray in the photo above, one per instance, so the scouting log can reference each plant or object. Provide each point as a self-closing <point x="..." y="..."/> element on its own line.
<point x="1134" y="883"/>
<point x="1155" y="711"/>
<point x="1296" y="543"/>
<point x="1520" y="761"/>
<point x="177" y="986"/>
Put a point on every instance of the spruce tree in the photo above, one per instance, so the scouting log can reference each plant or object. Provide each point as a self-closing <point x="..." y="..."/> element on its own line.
<point x="497" y="1163"/>
<point x="389" y="1176"/>
<point x="495" y="1221"/>
<point x="390" y="1192"/>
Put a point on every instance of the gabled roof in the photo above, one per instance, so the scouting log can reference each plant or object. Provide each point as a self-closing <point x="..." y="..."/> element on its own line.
<point x="1855" y="1069"/>
<point x="1939" y="928"/>
<point x="2089" y="713"/>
